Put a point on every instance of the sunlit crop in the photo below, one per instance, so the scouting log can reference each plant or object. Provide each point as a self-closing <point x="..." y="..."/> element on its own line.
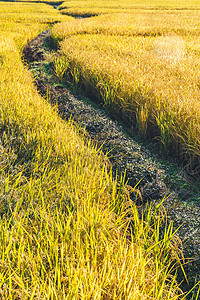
<point x="61" y="236"/>
<point x="23" y="21"/>
<point x="90" y="8"/>
<point x="145" y="68"/>
<point x="69" y="229"/>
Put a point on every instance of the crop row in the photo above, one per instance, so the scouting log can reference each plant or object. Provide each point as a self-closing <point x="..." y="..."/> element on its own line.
<point x="147" y="73"/>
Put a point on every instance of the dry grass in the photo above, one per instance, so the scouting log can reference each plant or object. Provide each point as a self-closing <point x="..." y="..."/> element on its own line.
<point x="147" y="70"/>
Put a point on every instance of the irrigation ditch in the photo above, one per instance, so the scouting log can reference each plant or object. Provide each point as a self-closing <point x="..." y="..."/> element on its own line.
<point x="158" y="176"/>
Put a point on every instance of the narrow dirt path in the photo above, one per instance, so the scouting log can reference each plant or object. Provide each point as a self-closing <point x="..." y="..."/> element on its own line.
<point x="159" y="178"/>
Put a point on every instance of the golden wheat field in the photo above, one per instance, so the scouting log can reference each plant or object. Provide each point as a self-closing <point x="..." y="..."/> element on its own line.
<point x="64" y="219"/>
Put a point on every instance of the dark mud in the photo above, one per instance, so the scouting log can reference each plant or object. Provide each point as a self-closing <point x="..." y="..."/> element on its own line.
<point x="158" y="178"/>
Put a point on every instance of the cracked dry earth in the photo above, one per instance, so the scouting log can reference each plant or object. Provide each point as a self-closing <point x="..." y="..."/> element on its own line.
<point x="160" y="178"/>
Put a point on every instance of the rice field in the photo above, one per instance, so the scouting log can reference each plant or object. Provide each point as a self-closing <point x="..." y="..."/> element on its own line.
<point x="144" y="66"/>
<point x="92" y="8"/>
<point x="68" y="227"/>
<point x="23" y="21"/>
